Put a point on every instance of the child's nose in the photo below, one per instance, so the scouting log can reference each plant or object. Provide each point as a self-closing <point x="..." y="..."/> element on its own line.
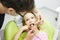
<point x="30" y="21"/>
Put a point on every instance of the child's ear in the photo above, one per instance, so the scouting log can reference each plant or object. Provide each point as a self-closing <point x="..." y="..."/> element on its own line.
<point x="11" y="11"/>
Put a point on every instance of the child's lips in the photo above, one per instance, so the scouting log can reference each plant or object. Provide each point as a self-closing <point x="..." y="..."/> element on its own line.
<point x="32" y="24"/>
<point x="27" y="30"/>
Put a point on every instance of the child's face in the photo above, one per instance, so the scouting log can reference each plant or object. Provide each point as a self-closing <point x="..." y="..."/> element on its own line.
<point x="29" y="19"/>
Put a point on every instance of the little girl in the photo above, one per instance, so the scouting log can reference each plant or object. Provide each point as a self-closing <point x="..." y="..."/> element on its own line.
<point x="29" y="21"/>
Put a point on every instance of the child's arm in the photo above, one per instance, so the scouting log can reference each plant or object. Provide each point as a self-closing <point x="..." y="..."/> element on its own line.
<point x="29" y="35"/>
<point x="19" y="32"/>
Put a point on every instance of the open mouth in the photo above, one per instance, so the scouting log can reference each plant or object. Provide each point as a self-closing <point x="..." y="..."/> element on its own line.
<point x="32" y="24"/>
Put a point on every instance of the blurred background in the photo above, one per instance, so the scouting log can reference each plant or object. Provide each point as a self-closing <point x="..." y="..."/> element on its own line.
<point x="50" y="9"/>
<point x="52" y="4"/>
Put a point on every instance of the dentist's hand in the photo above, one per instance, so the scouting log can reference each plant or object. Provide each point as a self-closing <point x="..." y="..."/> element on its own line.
<point x="40" y="21"/>
<point x="39" y="16"/>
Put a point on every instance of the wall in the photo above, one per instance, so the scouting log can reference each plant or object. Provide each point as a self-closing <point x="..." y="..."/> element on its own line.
<point x="52" y="4"/>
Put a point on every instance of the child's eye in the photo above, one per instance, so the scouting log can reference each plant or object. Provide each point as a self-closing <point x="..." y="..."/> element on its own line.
<point x="32" y="17"/>
<point x="27" y="19"/>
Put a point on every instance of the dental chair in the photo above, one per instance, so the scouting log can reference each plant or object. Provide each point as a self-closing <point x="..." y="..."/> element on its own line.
<point x="50" y="18"/>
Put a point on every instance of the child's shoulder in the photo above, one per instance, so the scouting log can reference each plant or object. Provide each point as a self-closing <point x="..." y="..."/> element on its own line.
<point x="42" y="33"/>
<point x="41" y="36"/>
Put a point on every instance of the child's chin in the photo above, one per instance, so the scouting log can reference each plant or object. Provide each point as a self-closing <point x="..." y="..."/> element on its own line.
<point x="27" y="30"/>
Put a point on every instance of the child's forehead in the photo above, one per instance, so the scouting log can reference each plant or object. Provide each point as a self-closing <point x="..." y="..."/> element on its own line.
<point x="28" y="14"/>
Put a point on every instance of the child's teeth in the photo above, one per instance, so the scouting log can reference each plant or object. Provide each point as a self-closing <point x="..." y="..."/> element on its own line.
<point x="31" y="24"/>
